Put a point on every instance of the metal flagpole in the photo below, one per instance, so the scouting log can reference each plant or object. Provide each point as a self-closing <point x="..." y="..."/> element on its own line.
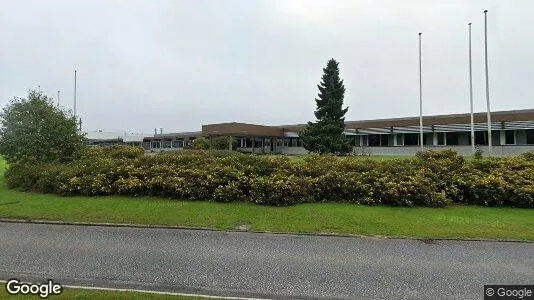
<point x="421" y="138"/>
<point x="57" y="98"/>
<point x="471" y="95"/>
<point x="75" y="94"/>
<point x="487" y="81"/>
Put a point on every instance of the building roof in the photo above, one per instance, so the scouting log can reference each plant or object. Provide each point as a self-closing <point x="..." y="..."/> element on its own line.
<point x="512" y="119"/>
<point x="241" y="129"/>
<point x="175" y="135"/>
<point x="452" y="119"/>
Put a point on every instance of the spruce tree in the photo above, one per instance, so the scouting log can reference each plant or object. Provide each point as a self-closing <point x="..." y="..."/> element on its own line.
<point x="326" y="134"/>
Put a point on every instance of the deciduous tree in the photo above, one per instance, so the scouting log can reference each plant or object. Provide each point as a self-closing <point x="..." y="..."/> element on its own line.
<point x="35" y="129"/>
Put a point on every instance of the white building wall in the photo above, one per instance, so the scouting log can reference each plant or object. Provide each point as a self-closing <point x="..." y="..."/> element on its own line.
<point x="506" y="150"/>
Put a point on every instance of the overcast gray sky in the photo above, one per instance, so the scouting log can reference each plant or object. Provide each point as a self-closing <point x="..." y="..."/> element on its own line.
<point x="179" y="64"/>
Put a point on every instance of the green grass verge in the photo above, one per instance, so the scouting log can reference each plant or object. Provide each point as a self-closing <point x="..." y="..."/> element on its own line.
<point x="339" y="218"/>
<point x="80" y="294"/>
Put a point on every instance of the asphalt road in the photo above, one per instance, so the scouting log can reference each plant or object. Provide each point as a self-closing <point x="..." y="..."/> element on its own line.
<point x="260" y="265"/>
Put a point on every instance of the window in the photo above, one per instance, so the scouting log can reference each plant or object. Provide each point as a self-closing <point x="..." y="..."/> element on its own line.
<point x="239" y="142"/>
<point x="155" y="144"/>
<point x="411" y="139"/>
<point x="400" y="139"/>
<point x="355" y="140"/>
<point x="451" y="138"/>
<point x="178" y="144"/>
<point x="365" y="140"/>
<point x="441" y="138"/>
<point x="530" y="136"/>
<point x="374" y="140"/>
<point x="299" y="142"/>
<point x="509" y="137"/>
<point x="428" y="138"/>
<point x="496" y="137"/>
<point x="258" y="143"/>
<point x="481" y="138"/>
<point x="384" y="139"/>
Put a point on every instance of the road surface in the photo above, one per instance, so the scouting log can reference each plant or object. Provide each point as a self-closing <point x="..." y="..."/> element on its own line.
<point x="260" y="265"/>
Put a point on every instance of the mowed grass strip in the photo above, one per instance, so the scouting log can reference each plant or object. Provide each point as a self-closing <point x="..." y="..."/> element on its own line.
<point x="335" y="218"/>
<point x="82" y="294"/>
<point x="340" y="218"/>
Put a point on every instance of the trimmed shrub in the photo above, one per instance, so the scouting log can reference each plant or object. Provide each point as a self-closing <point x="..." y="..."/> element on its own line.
<point x="528" y="155"/>
<point x="478" y="154"/>
<point x="228" y="193"/>
<point x="126" y="152"/>
<point x="341" y="187"/>
<point x="201" y="152"/>
<point x="49" y="179"/>
<point x="23" y="175"/>
<point x="431" y="179"/>
<point x="280" y="190"/>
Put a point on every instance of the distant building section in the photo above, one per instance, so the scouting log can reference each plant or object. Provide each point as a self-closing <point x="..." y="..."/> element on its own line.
<point x="512" y="134"/>
<point x="170" y="141"/>
<point x="104" y="138"/>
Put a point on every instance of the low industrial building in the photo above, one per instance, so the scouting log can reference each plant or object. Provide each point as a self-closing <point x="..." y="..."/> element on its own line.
<point x="512" y="134"/>
<point x="106" y="138"/>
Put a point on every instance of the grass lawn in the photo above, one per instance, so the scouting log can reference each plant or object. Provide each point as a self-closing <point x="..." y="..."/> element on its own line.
<point x="341" y="218"/>
<point x="80" y="294"/>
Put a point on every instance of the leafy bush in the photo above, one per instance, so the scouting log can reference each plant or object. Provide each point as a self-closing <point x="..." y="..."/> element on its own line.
<point x="441" y="154"/>
<point x="528" y="155"/>
<point x="23" y="175"/>
<point x="280" y="190"/>
<point x="127" y="152"/>
<point x="431" y="179"/>
<point x="201" y="143"/>
<point x="35" y="129"/>
<point x="215" y="153"/>
<point x="223" y="143"/>
<point x="228" y="193"/>
<point x="337" y="186"/>
<point x="478" y="153"/>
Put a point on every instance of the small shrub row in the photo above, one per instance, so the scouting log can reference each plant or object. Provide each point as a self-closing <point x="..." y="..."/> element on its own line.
<point x="430" y="179"/>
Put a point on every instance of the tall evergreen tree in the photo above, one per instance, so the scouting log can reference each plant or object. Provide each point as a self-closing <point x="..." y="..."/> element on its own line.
<point x="326" y="135"/>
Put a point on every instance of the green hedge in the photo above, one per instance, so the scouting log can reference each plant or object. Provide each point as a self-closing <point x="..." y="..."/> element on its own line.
<point x="430" y="179"/>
